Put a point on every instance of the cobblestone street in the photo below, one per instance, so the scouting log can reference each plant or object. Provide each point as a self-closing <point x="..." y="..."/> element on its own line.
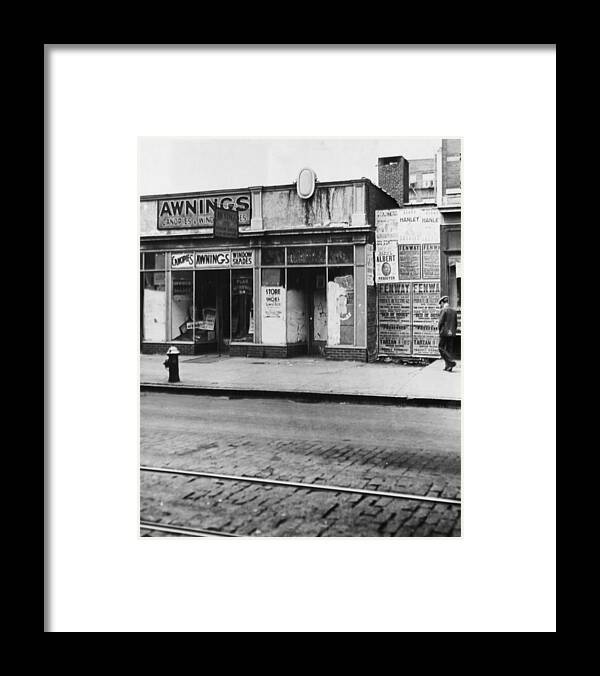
<point x="382" y="448"/>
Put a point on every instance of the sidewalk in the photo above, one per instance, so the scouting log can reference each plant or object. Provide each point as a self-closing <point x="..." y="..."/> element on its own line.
<point x="344" y="380"/>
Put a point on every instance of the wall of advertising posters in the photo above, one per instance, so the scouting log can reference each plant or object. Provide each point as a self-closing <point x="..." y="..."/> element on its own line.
<point x="408" y="301"/>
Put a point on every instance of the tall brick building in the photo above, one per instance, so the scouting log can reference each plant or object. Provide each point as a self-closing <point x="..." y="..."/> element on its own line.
<point x="449" y="199"/>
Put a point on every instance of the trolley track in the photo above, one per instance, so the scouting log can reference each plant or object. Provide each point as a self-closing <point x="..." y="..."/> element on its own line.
<point x="301" y="485"/>
<point x="183" y="530"/>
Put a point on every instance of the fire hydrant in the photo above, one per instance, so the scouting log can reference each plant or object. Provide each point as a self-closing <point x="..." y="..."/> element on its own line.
<point x="172" y="363"/>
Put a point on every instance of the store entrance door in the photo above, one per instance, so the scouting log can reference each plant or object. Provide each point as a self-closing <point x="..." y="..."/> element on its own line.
<point x="212" y="311"/>
<point x="310" y="296"/>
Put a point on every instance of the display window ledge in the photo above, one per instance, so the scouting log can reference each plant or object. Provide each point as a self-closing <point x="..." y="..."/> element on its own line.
<point x="169" y="342"/>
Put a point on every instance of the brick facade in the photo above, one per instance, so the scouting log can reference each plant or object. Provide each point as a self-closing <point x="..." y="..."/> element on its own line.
<point x="184" y="348"/>
<point x="338" y="353"/>
<point x="393" y="177"/>
<point x="378" y="199"/>
<point x="451" y="161"/>
<point x="348" y="353"/>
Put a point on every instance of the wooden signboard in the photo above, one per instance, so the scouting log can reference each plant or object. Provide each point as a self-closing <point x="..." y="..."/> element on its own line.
<point x="226" y="223"/>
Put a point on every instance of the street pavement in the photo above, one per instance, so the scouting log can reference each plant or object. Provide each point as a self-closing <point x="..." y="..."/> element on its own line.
<point x="386" y="448"/>
<point x="309" y="375"/>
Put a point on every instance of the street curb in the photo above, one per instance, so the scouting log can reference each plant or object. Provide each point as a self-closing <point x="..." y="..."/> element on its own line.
<point x="239" y="393"/>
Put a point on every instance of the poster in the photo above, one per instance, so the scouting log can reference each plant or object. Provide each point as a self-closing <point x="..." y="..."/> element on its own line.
<point x="394" y="318"/>
<point x="425" y="301"/>
<point x="418" y="225"/>
<point x="409" y="261"/>
<point x="273" y="315"/>
<point x="431" y="261"/>
<point x="386" y="225"/>
<point x="386" y="262"/>
<point x="408" y="311"/>
<point x="345" y="308"/>
<point x="425" y="340"/>
<point x="370" y="265"/>
<point x="425" y="313"/>
<point x="272" y="301"/>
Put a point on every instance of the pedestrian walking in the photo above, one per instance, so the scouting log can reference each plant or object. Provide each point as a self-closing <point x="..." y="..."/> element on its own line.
<point x="447" y="323"/>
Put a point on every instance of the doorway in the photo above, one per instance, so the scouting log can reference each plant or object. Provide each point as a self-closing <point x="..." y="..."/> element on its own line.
<point x="212" y="311"/>
<point x="307" y="309"/>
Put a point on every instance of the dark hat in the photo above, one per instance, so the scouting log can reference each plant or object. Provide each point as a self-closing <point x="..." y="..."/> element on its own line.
<point x="443" y="299"/>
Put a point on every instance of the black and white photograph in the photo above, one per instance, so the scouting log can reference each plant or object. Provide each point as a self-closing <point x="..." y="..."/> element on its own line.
<point x="300" y="341"/>
<point x="300" y="325"/>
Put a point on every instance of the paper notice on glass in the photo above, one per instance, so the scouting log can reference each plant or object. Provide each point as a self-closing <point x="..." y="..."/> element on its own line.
<point x="273" y="315"/>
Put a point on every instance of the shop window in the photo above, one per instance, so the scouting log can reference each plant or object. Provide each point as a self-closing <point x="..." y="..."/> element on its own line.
<point x="338" y="255"/>
<point x="340" y="306"/>
<point x="153" y="261"/>
<point x="154" y="306"/>
<point x="306" y="255"/>
<point x="182" y="306"/>
<point x="273" y="256"/>
<point x="242" y="306"/>
<point x="273" y="277"/>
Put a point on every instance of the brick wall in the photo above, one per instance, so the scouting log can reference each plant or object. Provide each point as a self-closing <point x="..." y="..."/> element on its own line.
<point x="296" y="349"/>
<point x="275" y="351"/>
<point x="255" y="350"/>
<point x="377" y="199"/>
<point x="393" y="177"/>
<point x="341" y="353"/>
<point x="161" y="348"/>
<point x="451" y="148"/>
<point x="346" y="353"/>
<point x="238" y="350"/>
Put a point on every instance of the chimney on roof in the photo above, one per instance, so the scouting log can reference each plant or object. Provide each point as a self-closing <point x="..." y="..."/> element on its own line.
<point x="393" y="177"/>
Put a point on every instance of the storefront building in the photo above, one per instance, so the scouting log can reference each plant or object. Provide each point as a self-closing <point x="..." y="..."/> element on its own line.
<point x="294" y="276"/>
<point x="449" y="201"/>
<point x="418" y="253"/>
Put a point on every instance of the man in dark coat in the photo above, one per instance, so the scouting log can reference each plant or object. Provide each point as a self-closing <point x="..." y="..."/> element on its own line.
<point x="447" y="327"/>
